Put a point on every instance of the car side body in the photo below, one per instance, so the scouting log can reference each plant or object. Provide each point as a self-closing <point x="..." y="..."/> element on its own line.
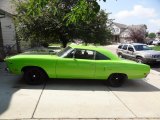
<point x="93" y="63"/>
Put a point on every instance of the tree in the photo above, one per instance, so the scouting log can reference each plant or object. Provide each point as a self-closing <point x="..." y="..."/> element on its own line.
<point x="50" y="21"/>
<point x="96" y="30"/>
<point x="80" y="10"/>
<point x="152" y="35"/>
<point x="137" y="33"/>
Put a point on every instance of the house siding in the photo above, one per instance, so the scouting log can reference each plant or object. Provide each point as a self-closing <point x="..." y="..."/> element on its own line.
<point x="8" y="31"/>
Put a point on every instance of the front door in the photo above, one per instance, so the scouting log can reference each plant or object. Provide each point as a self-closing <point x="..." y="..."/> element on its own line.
<point x="81" y="65"/>
<point x="130" y="52"/>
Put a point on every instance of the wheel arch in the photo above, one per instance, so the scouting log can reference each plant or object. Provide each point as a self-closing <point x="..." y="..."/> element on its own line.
<point x="29" y="67"/>
<point x="125" y="75"/>
<point x="139" y="56"/>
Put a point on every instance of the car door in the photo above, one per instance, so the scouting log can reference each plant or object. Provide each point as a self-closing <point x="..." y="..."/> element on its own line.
<point x="102" y="66"/>
<point x="130" y="52"/>
<point x="124" y="51"/>
<point x="78" y="64"/>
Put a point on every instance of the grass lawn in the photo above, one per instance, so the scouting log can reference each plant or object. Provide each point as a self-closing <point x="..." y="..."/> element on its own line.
<point x="156" y="48"/>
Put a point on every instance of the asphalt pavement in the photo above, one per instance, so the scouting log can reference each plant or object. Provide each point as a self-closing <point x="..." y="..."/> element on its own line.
<point x="79" y="99"/>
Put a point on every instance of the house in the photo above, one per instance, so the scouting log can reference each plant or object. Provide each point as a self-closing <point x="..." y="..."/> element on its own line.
<point x="7" y="28"/>
<point x="122" y="33"/>
<point x="117" y="29"/>
<point x="158" y="35"/>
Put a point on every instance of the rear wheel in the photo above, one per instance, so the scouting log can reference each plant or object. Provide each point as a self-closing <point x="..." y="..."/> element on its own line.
<point x="34" y="76"/>
<point x="116" y="80"/>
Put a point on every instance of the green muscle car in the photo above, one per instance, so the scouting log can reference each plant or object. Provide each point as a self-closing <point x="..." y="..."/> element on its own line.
<point x="76" y="62"/>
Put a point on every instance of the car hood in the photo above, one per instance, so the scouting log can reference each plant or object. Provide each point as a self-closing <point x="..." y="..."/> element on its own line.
<point x="148" y="52"/>
<point x="32" y="56"/>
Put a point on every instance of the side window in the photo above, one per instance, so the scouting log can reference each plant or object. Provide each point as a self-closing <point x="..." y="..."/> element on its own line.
<point x="100" y="56"/>
<point x="70" y="55"/>
<point x="120" y="46"/>
<point x="84" y="54"/>
<point x="125" y="47"/>
<point x="130" y="48"/>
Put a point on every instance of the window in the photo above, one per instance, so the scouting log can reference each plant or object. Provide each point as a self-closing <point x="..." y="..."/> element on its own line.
<point x="100" y="56"/>
<point x="125" y="47"/>
<point x="120" y="46"/>
<point x="84" y="54"/>
<point x="141" y="47"/>
<point x="130" y="48"/>
<point x="70" y="54"/>
<point x="64" y="52"/>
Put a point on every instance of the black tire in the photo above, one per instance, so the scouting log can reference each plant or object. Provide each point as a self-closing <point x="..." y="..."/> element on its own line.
<point x="34" y="76"/>
<point x="116" y="80"/>
<point x="120" y="55"/>
<point x="139" y="60"/>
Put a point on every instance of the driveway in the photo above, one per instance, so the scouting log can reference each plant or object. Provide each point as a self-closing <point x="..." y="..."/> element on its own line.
<point x="79" y="99"/>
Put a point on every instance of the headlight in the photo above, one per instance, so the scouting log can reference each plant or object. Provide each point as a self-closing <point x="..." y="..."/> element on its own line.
<point x="155" y="56"/>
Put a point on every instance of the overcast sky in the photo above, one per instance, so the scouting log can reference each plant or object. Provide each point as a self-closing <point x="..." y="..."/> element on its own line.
<point x="134" y="12"/>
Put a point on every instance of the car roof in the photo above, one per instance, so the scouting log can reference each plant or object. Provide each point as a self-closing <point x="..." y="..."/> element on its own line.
<point x="86" y="47"/>
<point x="138" y="44"/>
<point x="132" y="44"/>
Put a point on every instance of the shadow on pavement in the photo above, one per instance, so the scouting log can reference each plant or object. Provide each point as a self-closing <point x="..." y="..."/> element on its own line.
<point x="11" y="84"/>
<point x="97" y="85"/>
<point x="136" y="86"/>
<point x="155" y="66"/>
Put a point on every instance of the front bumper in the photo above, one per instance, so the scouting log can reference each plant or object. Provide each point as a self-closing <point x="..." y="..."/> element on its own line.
<point x="7" y="69"/>
<point x="151" y="60"/>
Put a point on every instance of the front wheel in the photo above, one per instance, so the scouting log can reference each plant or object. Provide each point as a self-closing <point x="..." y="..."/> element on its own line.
<point x="34" y="76"/>
<point x="116" y="80"/>
<point x="139" y="60"/>
<point x="120" y="55"/>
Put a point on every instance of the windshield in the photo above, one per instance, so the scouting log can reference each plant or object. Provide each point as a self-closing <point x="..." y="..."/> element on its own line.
<point x="141" y="47"/>
<point x="64" y="51"/>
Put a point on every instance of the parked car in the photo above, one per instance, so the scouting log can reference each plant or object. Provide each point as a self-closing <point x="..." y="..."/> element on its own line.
<point x="138" y="52"/>
<point x="156" y="42"/>
<point x="76" y="62"/>
<point x="149" y="42"/>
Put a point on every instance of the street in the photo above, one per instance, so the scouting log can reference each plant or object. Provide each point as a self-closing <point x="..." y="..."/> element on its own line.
<point x="79" y="99"/>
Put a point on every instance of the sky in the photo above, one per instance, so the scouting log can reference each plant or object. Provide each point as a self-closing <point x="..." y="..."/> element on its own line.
<point x="134" y="12"/>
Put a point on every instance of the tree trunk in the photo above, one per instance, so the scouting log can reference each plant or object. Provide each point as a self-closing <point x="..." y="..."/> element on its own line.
<point x="64" y="41"/>
<point x="18" y="43"/>
<point x="2" y="55"/>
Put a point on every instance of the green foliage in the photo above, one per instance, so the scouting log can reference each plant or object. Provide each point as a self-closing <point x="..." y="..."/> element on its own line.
<point x="49" y="21"/>
<point x="95" y="31"/>
<point x="152" y="35"/>
<point x="156" y="48"/>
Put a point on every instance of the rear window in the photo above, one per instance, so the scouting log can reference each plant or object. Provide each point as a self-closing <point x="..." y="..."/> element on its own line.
<point x="125" y="47"/>
<point x="120" y="46"/>
<point x="100" y="56"/>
